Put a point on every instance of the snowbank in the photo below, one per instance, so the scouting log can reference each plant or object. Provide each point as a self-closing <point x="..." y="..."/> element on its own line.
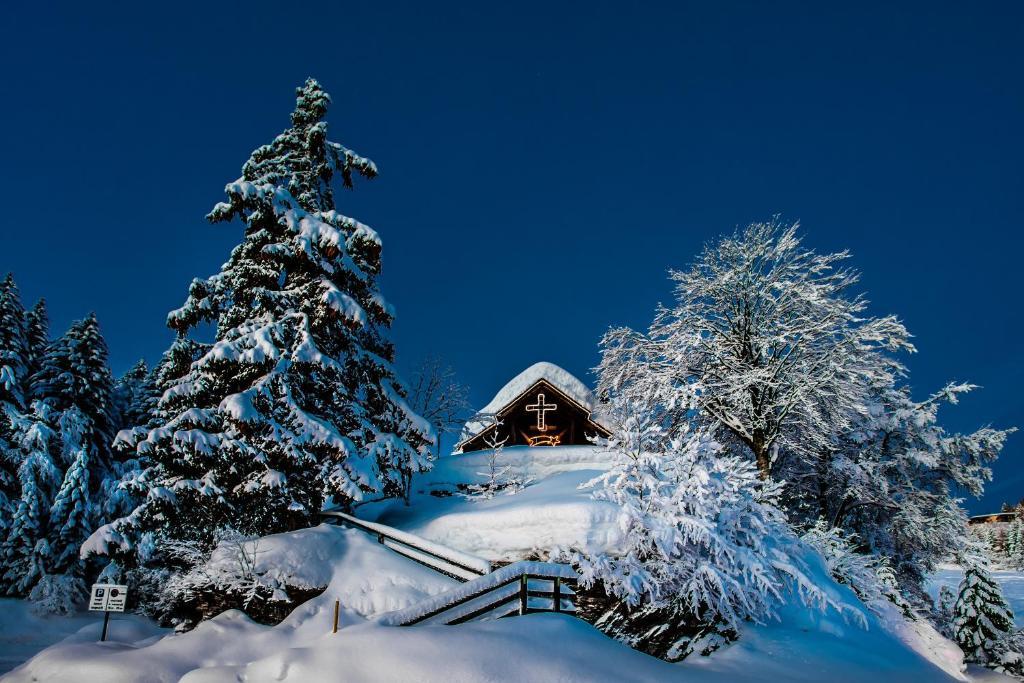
<point x="541" y="647"/>
<point x="367" y="578"/>
<point x="533" y="648"/>
<point x="23" y="633"/>
<point x="552" y="511"/>
<point x="370" y="580"/>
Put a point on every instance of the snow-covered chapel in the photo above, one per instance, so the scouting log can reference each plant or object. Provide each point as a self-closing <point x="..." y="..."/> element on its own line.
<point x="544" y="405"/>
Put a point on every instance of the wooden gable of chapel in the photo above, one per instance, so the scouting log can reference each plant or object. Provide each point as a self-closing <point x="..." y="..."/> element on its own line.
<point x="542" y="415"/>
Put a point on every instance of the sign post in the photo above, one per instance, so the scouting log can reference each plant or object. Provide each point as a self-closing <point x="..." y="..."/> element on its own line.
<point x="107" y="597"/>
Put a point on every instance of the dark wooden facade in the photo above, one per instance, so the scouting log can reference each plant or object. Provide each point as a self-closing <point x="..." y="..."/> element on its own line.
<point x="540" y="416"/>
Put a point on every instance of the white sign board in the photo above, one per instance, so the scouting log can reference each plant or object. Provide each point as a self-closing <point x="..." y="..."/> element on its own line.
<point x="108" y="597"/>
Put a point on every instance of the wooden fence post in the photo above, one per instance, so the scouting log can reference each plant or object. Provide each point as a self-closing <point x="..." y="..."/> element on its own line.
<point x="337" y="608"/>
<point x="558" y="594"/>
<point x="524" y="582"/>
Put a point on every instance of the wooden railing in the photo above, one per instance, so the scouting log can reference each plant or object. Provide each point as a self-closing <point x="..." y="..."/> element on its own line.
<point x="447" y="561"/>
<point x="513" y="587"/>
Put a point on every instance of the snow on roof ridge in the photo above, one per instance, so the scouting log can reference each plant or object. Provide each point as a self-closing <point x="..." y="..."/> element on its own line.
<point x="553" y="374"/>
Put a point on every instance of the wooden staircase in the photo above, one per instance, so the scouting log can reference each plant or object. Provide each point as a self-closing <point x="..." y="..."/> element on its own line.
<point x="486" y="593"/>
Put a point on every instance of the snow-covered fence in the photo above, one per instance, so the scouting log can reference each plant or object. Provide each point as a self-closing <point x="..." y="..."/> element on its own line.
<point x="448" y="561"/>
<point x="515" y="589"/>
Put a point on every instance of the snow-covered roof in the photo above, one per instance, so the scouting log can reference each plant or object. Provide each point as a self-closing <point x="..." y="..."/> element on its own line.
<point x="558" y="377"/>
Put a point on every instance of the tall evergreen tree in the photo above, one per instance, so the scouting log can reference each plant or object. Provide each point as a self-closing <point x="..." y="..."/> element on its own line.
<point x="13" y="372"/>
<point x="135" y="396"/>
<point x="25" y="551"/>
<point x="296" y="400"/>
<point x="37" y="336"/>
<point x="74" y="373"/>
<point x="70" y="515"/>
<point x="14" y="360"/>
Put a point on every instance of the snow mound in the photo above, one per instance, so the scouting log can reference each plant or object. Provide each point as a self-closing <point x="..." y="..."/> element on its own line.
<point x="552" y="511"/>
<point x="539" y="647"/>
<point x="551" y="373"/>
<point x="367" y="579"/>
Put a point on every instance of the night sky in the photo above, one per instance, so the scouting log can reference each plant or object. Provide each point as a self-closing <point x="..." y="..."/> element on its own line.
<point x="542" y="166"/>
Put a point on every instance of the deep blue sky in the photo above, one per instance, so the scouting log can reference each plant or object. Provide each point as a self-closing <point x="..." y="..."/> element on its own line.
<point x="578" y="150"/>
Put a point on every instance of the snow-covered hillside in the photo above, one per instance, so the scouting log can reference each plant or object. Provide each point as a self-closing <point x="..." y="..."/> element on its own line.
<point x="369" y="580"/>
<point x="805" y="647"/>
<point x="551" y="511"/>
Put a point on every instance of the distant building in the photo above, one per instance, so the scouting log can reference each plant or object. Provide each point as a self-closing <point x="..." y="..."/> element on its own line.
<point x="993" y="518"/>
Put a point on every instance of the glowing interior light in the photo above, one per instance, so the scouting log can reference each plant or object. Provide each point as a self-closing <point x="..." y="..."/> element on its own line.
<point x="541" y="408"/>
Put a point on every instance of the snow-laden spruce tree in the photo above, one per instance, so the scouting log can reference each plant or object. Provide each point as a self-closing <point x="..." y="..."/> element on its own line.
<point x="706" y="544"/>
<point x="74" y="374"/>
<point x="135" y="397"/>
<point x="61" y="586"/>
<point x="37" y="338"/>
<point x="71" y="514"/>
<point x="64" y="445"/>
<point x="25" y="553"/>
<point x="1015" y="543"/>
<point x="982" y="621"/>
<point x="14" y="366"/>
<point x="295" y="402"/>
<point x="14" y="351"/>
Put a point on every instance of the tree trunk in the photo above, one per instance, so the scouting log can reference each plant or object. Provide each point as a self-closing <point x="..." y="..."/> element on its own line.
<point x="760" y="448"/>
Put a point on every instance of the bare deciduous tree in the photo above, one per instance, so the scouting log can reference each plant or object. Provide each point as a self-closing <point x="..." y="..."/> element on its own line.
<point x="437" y="395"/>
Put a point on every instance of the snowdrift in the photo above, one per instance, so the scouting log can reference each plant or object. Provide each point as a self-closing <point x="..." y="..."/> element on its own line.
<point x="370" y="580"/>
<point x="552" y="511"/>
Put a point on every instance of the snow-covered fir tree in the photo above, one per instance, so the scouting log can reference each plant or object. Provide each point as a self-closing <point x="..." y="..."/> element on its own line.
<point x="25" y="552"/>
<point x="135" y="396"/>
<point x="14" y="350"/>
<point x="14" y="368"/>
<point x="74" y="374"/>
<point x="61" y="585"/>
<point x="70" y="515"/>
<point x="63" y="442"/>
<point x="1015" y="543"/>
<point x="37" y="337"/>
<point x="295" y="402"/>
<point x="982" y="620"/>
<point x="707" y="546"/>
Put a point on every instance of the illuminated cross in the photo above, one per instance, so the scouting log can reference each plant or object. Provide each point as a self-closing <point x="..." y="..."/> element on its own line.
<point x="541" y="409"/>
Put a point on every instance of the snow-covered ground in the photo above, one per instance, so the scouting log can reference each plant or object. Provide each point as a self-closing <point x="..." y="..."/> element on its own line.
<point x="23" y="634"/>
<point x="370" y="580"/>
<point x="805" y="647"/>
<point x="552" y="511"/>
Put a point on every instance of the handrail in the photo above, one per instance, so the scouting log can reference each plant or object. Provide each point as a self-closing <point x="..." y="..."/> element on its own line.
<point x="562" y="577"/>
<point x="466" y="563"/>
